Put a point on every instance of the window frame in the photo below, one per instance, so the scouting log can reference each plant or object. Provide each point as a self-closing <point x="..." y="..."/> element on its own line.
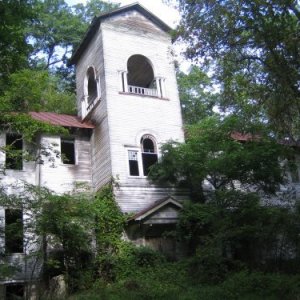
<point x="87" y="106"/>
<point x="155" y="152"/>
<point x="73" y="140"/>
<point x="140" y="152"/>
<point x="15" y="239"/>
<point x="18" y="159"/>
<point x="137" y="150"/>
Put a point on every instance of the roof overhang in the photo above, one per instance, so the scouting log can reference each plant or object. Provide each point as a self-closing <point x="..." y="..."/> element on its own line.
<point x="61" y="120"/>
<point x="153" y="210"/>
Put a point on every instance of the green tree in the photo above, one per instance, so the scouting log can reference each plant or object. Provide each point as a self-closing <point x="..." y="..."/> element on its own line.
<point x="14" y="17"/>
<point x="212" y="155"/>
<point x="57" y="30"/>
<point x="253" y="50"/>
<point x="36" y="90"/>
<point x="197" y="97"/>
<point x="93" y="8"/>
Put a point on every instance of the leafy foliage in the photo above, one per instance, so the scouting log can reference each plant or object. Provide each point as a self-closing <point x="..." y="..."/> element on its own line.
<point x="252" y="49"/>
<point x="36" y="90"/>
<point x="14" y="50"/>
<point x="212" y="155"/>
<point x="196" y="95"/>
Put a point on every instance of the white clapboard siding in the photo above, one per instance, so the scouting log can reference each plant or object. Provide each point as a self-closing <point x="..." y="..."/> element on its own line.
<point x="132" y="116"/>
<point x="60" y="177"/>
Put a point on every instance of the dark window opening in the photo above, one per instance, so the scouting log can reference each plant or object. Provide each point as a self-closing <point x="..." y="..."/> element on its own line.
<point x="140" y="72"/>
<point x="92" y="85"/>
<point x="149" y="159"/>
<point x="14" y="292"/>
<point x="13" y="231"/>
<point x="149" y="154"/>
<point x="14" y="159"/>
<point x="68" y="151"/>
<point x="133" y="163"/>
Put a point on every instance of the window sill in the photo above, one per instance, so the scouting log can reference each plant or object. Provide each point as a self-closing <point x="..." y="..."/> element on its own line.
<point x="144" y="96"/>
<point x="92" y="107"/>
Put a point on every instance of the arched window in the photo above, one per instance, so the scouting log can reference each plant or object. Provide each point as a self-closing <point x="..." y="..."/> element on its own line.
<point x="140" y="72"/>
<point x="139" y="78"/>
<point x="92" y="90"/>
<point x="149" y="153"/>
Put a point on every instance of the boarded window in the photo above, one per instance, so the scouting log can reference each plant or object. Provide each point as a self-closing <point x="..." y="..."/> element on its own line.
<point x="14" y="292"/>
<point x="133" y="163"/>
<point x="13" y="231"/>
<point x="149" y="153"/>
<point x="68" y="151"/>
<point x="14" y="159"/>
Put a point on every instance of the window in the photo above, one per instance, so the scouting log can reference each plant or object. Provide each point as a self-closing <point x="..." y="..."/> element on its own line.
<point x="140" y="161"/>
<point x="139" y="78"/>
<point x="14" y="144"/>
<point x="67" y="151"/>
<point x="14" y="292"/>
<point x="140" y="72"/>
<point x="13" y="231"/>
<point x="149" y="153"/>
<point x="133" y="163"/>
<point x="92" y="89"/>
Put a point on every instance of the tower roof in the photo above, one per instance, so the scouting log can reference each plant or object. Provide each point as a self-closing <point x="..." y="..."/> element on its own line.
<point x="97" y="21"/>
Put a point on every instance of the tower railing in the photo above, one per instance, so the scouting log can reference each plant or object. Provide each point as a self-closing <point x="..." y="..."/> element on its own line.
<point x="142" y="91"/>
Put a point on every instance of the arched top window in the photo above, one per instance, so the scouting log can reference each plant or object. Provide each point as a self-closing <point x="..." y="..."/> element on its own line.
<point x="92" y="90"/>
<point x="140" y="71"/>
<point x="149" y="153"/>
<point x="91" y="94"/>
<point x="139" y="78"/>
<point x="148" y="144"/>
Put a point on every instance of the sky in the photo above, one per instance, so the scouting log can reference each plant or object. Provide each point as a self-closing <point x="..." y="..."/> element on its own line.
<point x="166" y="13"/>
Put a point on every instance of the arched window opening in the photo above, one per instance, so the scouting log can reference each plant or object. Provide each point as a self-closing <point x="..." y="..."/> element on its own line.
<point x="92" y="89"/>
<point x="140" y="72"/>
<point x="149" y="153"/>
<point x="140" y="77"/>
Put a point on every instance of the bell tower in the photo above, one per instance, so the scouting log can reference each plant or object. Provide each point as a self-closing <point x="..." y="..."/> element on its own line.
<point x="126" y="85"/>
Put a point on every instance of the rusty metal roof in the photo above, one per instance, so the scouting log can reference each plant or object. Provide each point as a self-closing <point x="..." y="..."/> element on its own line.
<point x="244" y="137"/>
<point x="61" y="120"/>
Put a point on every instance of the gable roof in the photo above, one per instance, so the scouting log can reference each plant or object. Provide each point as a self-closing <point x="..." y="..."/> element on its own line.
<point x="97" y="21"/>
<point x="61" y="120"/>
<point x="153" y="208"/>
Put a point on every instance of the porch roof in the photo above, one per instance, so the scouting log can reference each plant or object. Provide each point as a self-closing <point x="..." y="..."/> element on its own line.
<point x="155" y="207"/>
<point x="61" y="120"/>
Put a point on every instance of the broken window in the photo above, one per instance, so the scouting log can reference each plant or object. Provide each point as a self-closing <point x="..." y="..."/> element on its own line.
<point x="133" y="163"/>
<point x="140" y="72"/>
<point x="14" y="159"/>
<point x="13" y="231"/>
<point x="92" y="89"/>
<point x="149" y="153"/>
<point x="68" y="151"/>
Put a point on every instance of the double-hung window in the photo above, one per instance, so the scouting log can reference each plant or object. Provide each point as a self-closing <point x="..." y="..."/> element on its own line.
<point x="141" y="160"/>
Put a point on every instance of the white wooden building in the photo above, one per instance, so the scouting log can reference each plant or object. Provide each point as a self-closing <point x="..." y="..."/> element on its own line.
<point x="128" y="106"/>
